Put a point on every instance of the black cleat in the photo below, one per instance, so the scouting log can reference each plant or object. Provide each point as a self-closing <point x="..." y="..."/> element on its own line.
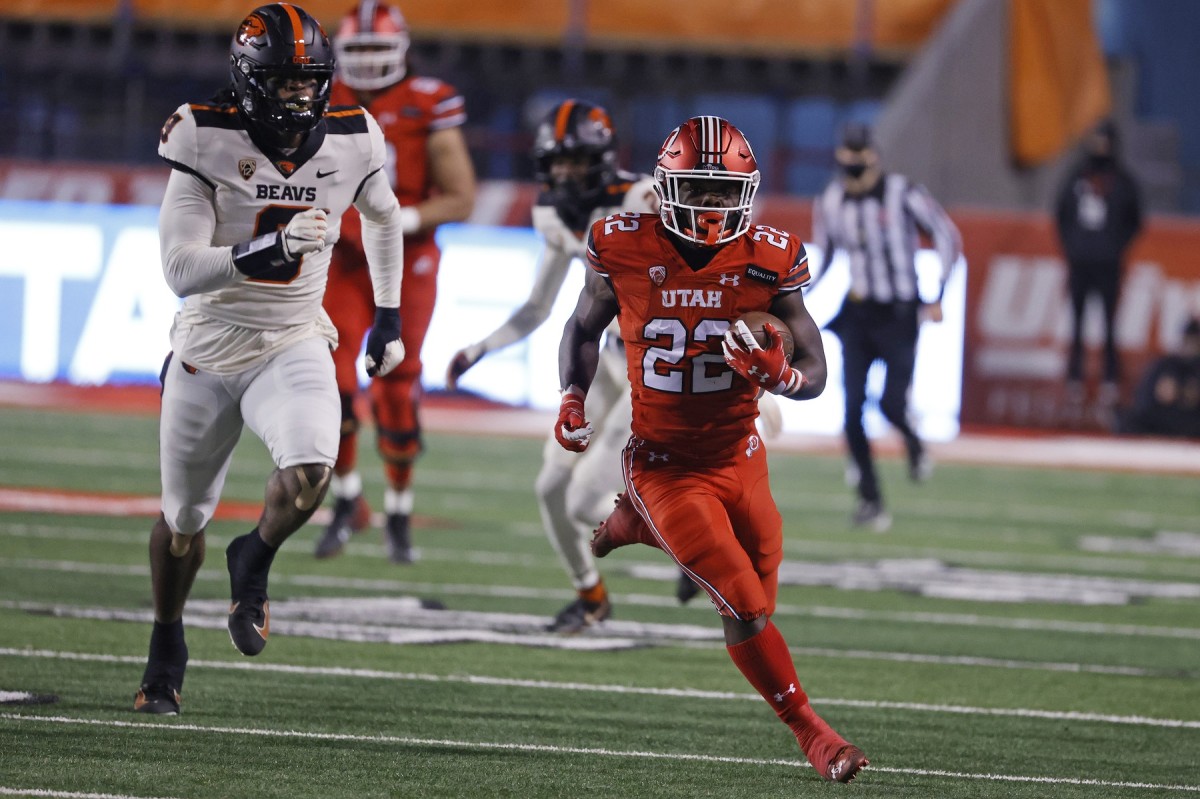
<point x="158" y="698"/>
<point x="579" y="615"/>
<point x="249" y="612"/>
<point x="920" y="465"/>
<point x="398" y="538"/>
<point x="349" y="517"/>
<point x="872" y="515"/>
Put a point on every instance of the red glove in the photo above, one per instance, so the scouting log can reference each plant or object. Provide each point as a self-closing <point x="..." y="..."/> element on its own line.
<point x="572" y="430"/>
<point x="766" y="368"/>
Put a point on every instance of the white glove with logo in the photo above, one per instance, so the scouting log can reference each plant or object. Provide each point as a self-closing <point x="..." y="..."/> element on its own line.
<point x="305" y="233"/>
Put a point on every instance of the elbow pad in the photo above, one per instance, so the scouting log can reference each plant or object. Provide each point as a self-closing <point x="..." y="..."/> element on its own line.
<point x="260" y="255"/>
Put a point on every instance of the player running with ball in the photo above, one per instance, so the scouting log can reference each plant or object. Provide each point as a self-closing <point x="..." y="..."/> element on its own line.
<point x="695" y="467"/>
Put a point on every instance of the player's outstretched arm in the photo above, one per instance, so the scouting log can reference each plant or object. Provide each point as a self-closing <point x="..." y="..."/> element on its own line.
<point x="551" y="272"/>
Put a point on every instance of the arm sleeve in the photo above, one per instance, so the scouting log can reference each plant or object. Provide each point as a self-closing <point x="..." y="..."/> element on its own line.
<point x="821" y="237"/>
<point x="382" y="238"/>
<point x="933" y="220"/>
<point x="552" y="271"/>
<point x="191" y="265"/>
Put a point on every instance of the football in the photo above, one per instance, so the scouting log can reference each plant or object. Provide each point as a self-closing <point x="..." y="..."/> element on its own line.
<point x="754" y="320"/>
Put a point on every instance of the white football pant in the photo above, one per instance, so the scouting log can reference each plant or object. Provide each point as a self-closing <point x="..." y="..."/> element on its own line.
<point x="290" y="402"/>
<point x="576" y="490"/>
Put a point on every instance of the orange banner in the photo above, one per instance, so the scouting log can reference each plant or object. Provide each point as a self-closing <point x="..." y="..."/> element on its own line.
<point x="779" y="26"/>
<point x="1058" y="82"/>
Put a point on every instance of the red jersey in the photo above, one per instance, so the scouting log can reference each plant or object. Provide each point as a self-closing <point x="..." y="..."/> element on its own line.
<point x="673" y="318"/>
<point x="407" y="112"/>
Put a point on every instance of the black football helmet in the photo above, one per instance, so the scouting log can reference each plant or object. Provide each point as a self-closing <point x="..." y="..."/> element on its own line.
<point x="274" y="44"/>
<point x="576" y="128"/>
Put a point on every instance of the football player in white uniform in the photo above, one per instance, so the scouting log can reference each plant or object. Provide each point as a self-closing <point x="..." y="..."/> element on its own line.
<point x="260" y="178"/>
<point x="575" y="155"/>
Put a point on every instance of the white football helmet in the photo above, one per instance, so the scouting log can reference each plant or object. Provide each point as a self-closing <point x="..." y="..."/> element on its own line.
<point x="706" y="179"/>
<point x="372" y="46"/>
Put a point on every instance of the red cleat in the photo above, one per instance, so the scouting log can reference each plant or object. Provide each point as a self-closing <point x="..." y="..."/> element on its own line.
<point x="845" y="765"/>
<point x="624" y="526"/>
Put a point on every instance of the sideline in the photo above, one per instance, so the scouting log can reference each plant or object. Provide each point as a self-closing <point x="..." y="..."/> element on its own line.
<point x="447" y="413"/>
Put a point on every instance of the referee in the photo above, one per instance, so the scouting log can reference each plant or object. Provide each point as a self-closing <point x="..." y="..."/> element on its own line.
<point x="876" y="218"/>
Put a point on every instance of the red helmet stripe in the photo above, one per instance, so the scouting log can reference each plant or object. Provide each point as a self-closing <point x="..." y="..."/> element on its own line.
<point x="563" y="120"/>
<point x="297" y="30"/>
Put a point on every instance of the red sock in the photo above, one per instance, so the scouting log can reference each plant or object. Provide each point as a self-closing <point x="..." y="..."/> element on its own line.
<point x="347" y="455"/>
<point x="399" y="476"/>
<point x="766" y="662"/>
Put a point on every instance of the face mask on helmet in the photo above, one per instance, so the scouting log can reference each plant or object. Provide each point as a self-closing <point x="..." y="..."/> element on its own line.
<point x="281" y="66"/>
<point x="575" y="151"/>
<point x="706" y="180"/>
<point x="372" y="47"/>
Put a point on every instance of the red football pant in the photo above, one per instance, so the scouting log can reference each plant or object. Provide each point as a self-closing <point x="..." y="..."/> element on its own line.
<point x="350" y="303"/>
<point x="716" y="519"/>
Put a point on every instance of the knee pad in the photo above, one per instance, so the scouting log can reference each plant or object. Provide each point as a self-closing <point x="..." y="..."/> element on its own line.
<point x="400" y="447"/>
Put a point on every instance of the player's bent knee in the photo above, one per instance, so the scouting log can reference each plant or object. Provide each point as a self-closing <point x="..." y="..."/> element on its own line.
<point x="551" y="481"/>
<point x="313" y="479"/>
<point x="181" y="544"/>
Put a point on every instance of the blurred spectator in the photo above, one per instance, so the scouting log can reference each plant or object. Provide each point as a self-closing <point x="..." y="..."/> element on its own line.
<point x="1098" y="214"/>
<point x="1167" y="399"/>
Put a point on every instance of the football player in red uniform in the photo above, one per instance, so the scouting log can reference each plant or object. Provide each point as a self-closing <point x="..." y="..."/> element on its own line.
<point x="695" y="467"/>
<point x="430" y="170"/>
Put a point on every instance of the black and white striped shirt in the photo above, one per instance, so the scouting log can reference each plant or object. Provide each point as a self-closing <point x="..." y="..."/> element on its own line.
<point x="879" y="230"/>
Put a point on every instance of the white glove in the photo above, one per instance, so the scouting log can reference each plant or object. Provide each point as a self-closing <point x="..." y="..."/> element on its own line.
<point x="305" y="233"/>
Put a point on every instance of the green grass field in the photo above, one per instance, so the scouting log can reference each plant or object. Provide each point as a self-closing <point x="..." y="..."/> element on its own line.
<point x="1019" y="633"/>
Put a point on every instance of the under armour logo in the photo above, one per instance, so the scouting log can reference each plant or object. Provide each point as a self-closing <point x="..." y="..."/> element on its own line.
<point x="658" y="456"/>
<point x="752" y="445"/>
<point x="730" y="280"/>
<point x="758" y="374"/>
<point x="791" y="690"/>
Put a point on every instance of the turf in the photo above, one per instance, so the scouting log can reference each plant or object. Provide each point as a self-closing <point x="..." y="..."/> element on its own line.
<point x="1088" y="687"/>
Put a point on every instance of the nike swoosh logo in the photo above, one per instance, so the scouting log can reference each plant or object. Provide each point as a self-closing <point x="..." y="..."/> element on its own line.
<point x="265" y="630"/>
<point x="321" y="174"/>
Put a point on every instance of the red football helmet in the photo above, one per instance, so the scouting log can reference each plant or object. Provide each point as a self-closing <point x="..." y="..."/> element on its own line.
<point x="706" y="179"/>
<point x="372" y="46"/>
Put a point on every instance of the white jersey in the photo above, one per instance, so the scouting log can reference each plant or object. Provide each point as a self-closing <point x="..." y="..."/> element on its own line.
<point x="637" y="195"/>
<point x="562" y="246"/>
<point x="229" y="322"/>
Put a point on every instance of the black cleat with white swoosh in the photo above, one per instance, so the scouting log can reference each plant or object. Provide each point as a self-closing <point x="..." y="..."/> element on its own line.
<point x="249" y="612"/>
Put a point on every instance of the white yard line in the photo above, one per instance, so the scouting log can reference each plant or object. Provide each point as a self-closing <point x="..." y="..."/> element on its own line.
<point x="498" y="591"/>
<point x="691" y="693"/>
<point x="573" y="750"/>
<point x="7" y="790"/>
